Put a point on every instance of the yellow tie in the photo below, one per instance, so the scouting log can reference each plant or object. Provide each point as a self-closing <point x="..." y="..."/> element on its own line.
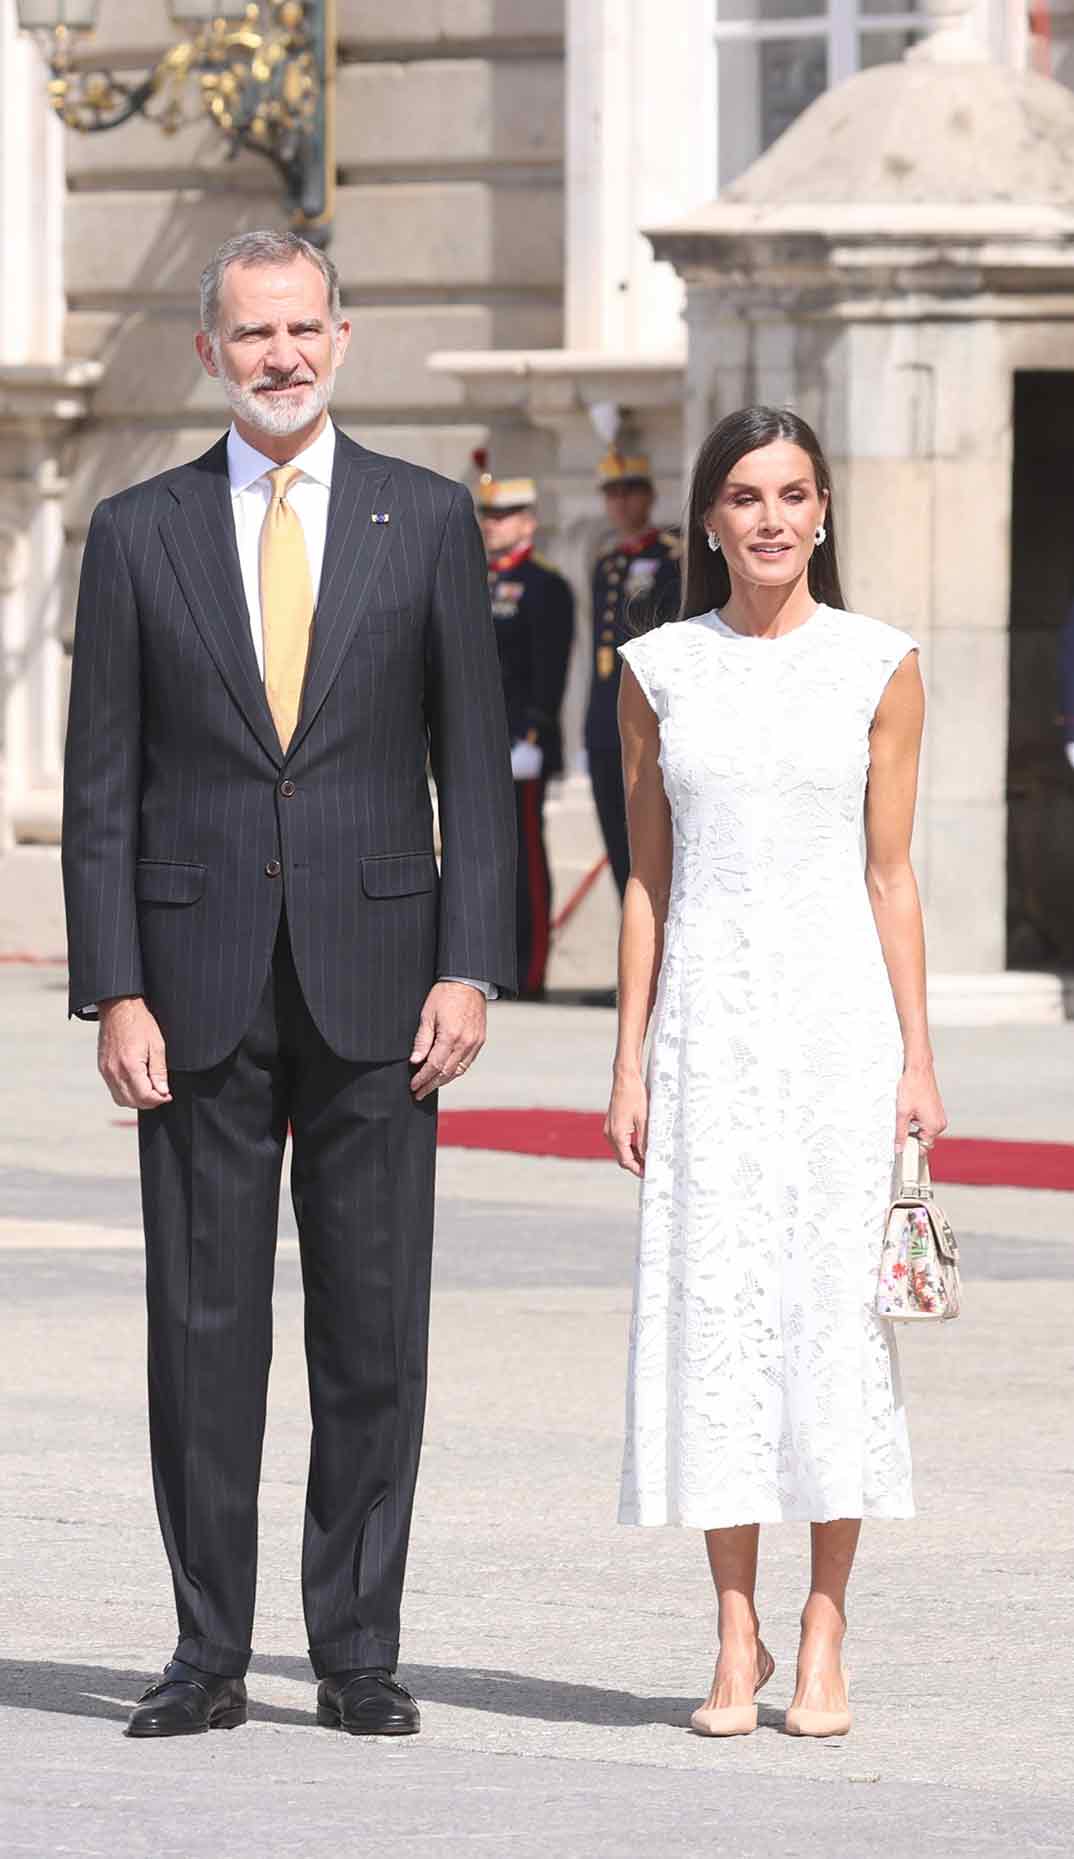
<point x="286" y="604"/>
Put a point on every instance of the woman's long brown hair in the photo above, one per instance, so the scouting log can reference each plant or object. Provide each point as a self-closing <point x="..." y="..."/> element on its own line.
<point x="705" y="581"/>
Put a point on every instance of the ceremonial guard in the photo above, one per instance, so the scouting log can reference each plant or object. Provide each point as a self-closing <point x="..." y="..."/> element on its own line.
<point x="635" y="585"/>
<point x="533" y="611"/>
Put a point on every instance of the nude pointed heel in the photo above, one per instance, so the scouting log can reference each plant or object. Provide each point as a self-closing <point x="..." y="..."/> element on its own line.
<point x="731" y="1719"/>
<point x="801" y="1722"/>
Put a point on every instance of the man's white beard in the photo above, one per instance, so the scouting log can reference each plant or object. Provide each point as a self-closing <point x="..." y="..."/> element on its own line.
<point x="278" y="417"/>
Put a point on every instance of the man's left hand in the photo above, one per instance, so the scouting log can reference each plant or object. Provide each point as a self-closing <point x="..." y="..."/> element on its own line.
<point x="451" y="1033"/>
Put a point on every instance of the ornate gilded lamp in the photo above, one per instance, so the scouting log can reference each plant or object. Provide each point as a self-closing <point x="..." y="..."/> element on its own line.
<point x="263" y="71"/>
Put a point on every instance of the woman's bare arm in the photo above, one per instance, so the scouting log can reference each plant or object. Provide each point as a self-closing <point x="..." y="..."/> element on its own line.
<point x="645" y="907"/>
<point x="895" y="749"/>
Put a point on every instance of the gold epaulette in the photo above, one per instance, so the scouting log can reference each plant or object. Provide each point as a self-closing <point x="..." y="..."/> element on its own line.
<point x="672" y="542"/>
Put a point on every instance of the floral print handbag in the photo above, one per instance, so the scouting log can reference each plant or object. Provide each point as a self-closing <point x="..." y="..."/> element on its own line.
<point x="919" y="1258"/>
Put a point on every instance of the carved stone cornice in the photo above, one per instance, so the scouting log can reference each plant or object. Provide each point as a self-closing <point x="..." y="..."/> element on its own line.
<point x="551" y="384"/>
<point x="43" y="399"/>
<point x="820" y="256"/>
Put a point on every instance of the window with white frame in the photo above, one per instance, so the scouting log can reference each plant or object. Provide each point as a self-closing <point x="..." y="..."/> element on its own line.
<point x="774" y="57"/>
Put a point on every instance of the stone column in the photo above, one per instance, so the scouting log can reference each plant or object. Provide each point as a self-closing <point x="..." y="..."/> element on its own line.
<point x="38" y="406"/>
<point x="40" y="398"/>
<point x="640" y="147"/>
<point x="31" y="203"/>
<point x="640" y="134"/>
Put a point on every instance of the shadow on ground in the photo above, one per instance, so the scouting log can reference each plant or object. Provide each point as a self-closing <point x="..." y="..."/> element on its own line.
<point x="516" y="1694"/>
<point x="110" y="1691"/>
<point x="100" y="1691"/>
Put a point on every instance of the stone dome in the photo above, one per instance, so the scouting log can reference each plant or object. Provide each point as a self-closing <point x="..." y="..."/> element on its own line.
<point x="935" y="134"/>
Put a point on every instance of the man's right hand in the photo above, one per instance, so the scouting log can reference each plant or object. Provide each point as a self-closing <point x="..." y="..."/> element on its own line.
<point x="130" y="1054"/>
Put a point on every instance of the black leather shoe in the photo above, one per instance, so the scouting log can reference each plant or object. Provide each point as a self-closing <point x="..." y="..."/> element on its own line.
<point x="369" y="1702"/>
<point x="185" y="1701"/>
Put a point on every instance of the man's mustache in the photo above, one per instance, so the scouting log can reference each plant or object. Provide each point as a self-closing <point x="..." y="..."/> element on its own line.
<point x="283" y="380"/>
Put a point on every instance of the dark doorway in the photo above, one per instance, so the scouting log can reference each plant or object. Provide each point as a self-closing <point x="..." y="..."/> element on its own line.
<point x="1040" y="780"/>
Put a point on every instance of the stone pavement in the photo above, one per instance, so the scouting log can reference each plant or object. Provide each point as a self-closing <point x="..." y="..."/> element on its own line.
<point x="557" y="1657"/>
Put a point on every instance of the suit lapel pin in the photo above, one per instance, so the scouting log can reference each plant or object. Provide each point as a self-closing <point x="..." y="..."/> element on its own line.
<point x="380" y="516"/>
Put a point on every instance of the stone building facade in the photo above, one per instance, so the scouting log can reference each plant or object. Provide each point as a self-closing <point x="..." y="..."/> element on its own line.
<point x="501" y="163"/>
<point x="449" y="233"/>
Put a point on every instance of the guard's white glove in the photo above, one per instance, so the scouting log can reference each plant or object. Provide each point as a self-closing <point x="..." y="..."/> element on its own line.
<point x="1070" y="753"/>
<point x="527" y="760"/>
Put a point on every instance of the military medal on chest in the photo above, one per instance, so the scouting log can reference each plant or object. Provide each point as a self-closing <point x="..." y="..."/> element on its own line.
<point x="506" y="596"/>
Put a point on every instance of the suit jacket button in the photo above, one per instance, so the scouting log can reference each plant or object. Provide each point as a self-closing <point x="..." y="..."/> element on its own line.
<point x="287" y="788"/>
<point x="273" y="868"/>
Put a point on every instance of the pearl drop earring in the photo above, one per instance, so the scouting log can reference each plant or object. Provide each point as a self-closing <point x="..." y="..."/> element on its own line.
<point x="820" y="534"/>
<point x="714" y="541"/>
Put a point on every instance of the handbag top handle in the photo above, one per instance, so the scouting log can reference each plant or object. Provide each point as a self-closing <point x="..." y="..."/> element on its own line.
<point x="915" y="1180"/>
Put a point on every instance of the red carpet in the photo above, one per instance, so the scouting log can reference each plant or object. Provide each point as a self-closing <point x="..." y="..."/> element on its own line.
<point x="576" y="1135"/>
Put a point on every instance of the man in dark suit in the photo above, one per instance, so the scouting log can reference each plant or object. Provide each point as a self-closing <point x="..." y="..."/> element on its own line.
<point x="533" y="613"/>
<point x="635" y="585"/>
<point x="271" y="643"/>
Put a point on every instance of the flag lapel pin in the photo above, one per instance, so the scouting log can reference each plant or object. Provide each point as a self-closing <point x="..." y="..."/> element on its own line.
<point x="380" y="516"/>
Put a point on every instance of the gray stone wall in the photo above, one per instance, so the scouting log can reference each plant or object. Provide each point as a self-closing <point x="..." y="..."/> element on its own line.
<point x="449" y="234"/>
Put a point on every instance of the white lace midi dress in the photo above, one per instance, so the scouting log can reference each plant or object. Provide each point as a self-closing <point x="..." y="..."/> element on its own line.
<point x="761" y="1386"/>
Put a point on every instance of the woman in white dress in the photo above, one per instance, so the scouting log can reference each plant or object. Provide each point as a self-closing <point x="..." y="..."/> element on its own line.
<point x="772" y="928"/>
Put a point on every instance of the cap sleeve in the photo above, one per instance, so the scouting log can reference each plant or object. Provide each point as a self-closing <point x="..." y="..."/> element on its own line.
<point x="894" y="647"/>
<point x="640" y="655"/>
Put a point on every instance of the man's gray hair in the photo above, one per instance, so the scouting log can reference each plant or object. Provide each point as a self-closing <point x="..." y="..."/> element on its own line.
<point x="263" y="248"/>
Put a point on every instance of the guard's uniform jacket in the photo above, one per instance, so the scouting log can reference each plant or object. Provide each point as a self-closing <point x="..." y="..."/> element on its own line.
<point x="635" y="586"/>
<point x="533" y="612"/>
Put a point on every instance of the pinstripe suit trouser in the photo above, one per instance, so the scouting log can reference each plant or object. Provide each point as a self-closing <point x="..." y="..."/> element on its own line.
<point x="362" y="1178"/>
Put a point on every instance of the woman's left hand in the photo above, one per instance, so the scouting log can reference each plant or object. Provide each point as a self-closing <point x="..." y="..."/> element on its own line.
<point x="919" y="1102"/>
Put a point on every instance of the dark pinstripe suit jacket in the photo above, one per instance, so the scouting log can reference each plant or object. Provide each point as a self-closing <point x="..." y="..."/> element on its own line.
<point x="185" y="824"/>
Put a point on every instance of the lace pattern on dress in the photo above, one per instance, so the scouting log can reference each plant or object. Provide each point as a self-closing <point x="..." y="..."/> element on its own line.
<point x="761" y="1384"/>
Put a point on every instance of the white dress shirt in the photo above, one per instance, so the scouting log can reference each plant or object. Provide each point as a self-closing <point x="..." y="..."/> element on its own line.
<point x="251" y="494"/>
